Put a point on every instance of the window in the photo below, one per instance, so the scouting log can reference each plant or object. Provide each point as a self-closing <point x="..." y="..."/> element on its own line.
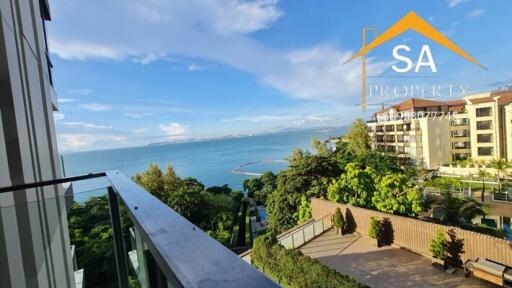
<point x="484" y="138"/>
<point x="483" y="112"/>
<point x="483" y="125"/>
<point x="485" y="151"/>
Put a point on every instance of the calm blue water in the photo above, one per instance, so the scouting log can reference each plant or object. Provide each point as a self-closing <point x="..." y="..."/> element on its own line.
<point x="209" y="161"/>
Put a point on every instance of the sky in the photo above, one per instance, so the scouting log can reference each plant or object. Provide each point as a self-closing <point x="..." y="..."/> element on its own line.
<point x="130" y="73"/>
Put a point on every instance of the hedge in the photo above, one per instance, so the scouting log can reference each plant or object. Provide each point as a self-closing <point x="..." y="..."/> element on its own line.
<point x="291" y="268"/>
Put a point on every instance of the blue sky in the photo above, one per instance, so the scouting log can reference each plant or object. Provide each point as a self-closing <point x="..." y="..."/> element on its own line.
<point x="130" y="73"/>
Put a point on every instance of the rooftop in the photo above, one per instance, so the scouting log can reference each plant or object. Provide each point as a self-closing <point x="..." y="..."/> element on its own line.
<point x="382" y="267"/>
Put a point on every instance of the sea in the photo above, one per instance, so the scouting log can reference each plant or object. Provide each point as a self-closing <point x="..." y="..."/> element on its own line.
<point x="209" y="161"/>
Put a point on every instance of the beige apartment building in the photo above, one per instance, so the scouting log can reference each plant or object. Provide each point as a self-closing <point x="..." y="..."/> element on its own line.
<point x="430" y="133"/>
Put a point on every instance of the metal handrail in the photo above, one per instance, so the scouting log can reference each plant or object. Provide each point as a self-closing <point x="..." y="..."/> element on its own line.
<point x="178" y="252"/>
<point x="299" y="232"/>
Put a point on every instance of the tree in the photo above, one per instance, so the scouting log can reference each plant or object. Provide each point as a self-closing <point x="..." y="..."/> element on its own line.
<point x="307" y="175"/>
<point x="251" y="186"/>
<point x="152" y="180"/>
<point x="211" y="209"/>
<point x="438" y="245"/>
<point x="91" y="233"/>
<point x="454" y="210"/>
<point x="355" y="186"/>
<point x="217" y="190"/>
<point x="320" y="147"/>
<point x="338" y="220"/>
<point x="268" y="181"/>
<point x="189" y="203"/>
<point x="500" y="165"/>
<point x="171" y="181"/>
<point x="393" y="195"/>
<point x="358" y="138"/>
<point x="483" y="175"/>
<point x="375" y="229"/>
<point x="304" y="210"/>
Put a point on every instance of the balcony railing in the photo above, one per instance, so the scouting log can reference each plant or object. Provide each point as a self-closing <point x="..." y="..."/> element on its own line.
<point x="302" y="234"/>
<point x="170" y="251"/>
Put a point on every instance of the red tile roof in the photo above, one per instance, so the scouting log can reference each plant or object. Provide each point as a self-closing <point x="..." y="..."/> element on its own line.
<point x="422" y="103"/>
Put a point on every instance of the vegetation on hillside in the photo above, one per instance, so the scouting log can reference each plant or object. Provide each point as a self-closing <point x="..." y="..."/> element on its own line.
<point x="213" y="209"/>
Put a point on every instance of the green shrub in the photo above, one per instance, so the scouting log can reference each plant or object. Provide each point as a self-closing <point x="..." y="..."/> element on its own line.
<point x="290" y="268"/>
<point x="338" y="220"/>
<point x="375" y="229"/>
<point x="438" y="245"/>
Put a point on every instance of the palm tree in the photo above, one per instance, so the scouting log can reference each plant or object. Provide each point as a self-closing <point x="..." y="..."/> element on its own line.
<point x="483" y="175"/>
<point x="454" y="210"/>
<point x="500" y="165"/>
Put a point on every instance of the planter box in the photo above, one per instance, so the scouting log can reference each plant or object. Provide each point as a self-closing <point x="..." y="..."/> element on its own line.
<point x="374" y="242"/>
<point x="436" y="261"/>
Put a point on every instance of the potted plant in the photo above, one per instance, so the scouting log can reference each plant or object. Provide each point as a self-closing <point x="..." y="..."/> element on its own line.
<point x="375" y="231"/>
<point x="438" y="247"/>
<point x="338" y="220"/>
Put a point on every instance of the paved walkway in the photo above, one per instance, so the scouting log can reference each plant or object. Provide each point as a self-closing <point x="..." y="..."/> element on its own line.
<point x="382" y="267"/>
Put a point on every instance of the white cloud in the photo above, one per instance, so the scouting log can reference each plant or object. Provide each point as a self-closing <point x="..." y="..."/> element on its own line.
<point x="289" y="119"/>
<point x="95" y="107"/>
<point x="81" y="50"/>
<point x="319" y="73"/>
<point x="87" y="125"/>
<point x="218" y="31"/>
<point x="174" y="130"/>
<point x="259" y="118"/>
<point x="234" y="16"/>
<point x="453" y="3"/>
<point x="138" y="115"/>
<point x="140" y="130"/>
<point x="84" y="141"/>
<point x="66" y="100"/>
<point x="58" y="116"/>
<point x="148" y="58"/>
<point x="194" y="67"/>
<point x="475" y="13"/>
<point x="81" y="92"/>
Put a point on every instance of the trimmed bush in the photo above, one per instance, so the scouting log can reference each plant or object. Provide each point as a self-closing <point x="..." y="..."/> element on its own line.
<point x="338" y="220"/>
<point x="375" y="229"/>
<point x="438" y="245"/>
<point x="291" y="268"/>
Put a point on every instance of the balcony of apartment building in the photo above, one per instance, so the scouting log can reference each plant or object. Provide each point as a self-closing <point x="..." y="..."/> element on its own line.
<point x="379" y="139"/>
<point x="461" y="147"/>
<point x="166" y="250"/>
<point x="458" y="122"/>
<point x="460" y="136"/>
<point x="379" y="129"/>
<point x="390" y="128"/>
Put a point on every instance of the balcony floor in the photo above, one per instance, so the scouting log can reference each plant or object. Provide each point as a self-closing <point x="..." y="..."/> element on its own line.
<point x="382" y="267"/>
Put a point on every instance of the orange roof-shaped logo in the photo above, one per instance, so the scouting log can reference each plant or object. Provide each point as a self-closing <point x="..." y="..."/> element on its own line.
<point x="412" y="21"/>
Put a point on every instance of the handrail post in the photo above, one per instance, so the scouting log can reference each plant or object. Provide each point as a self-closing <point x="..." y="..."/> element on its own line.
<point x="117" y="231"/>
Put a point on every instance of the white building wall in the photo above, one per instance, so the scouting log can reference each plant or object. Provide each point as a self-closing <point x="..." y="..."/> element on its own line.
<point x="436" y="141"/>
<point x="34" y="240"/>
<point x="508" y="131"/>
